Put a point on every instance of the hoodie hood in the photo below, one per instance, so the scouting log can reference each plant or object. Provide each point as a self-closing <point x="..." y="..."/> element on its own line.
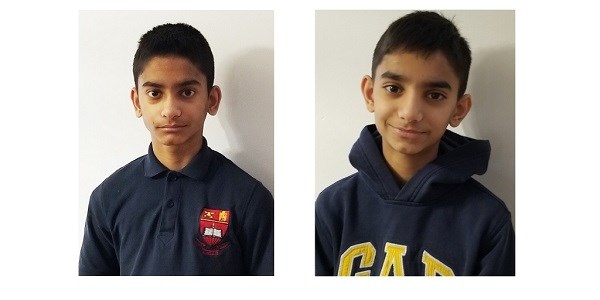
<point x="459" y="157"/>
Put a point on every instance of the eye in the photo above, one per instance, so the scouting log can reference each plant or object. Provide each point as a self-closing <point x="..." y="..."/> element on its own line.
<point x="436" y="96"/>
<point x="393" y="89"/>
<point x="188" y="93"/>
<point x="153" y="93"/>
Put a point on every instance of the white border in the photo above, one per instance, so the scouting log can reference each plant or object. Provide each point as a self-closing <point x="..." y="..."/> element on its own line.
<point x="556" y="115"/>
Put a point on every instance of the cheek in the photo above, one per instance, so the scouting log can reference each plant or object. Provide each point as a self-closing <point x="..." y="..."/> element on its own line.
<point x="441" y="123"/>
<point x="438" y="114"/>
<point x="385" y="110"/>
<point x="148" y="122"/>
<point x="148" y="113"/>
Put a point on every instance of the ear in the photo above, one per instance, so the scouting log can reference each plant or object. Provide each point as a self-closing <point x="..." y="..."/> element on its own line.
<point x="135" y="100"/>
<point x="463" y="106"/>
<point x="214" y="100"/>
<point x="366" y="85"/>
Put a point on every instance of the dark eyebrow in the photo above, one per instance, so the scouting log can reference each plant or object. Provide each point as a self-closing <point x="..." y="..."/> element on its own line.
<point x="442" y="84"/>
<point x="188" y="82"/>
<point x="152" y="84"/>
<point x="391" y="75"/>
<point x="439" y="84"/>
<point x="180" y="84"/>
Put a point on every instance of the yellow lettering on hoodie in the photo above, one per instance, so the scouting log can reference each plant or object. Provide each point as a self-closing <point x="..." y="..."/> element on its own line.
<point x="435" y="267"/>
<point x="365" y="251"/>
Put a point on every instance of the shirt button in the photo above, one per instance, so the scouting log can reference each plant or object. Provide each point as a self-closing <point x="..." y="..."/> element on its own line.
<point x="172" y="176"/>
<point x="170" y="204"/>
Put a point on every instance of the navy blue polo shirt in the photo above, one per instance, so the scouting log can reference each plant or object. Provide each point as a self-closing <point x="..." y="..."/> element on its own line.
<point x="210" y="218"/>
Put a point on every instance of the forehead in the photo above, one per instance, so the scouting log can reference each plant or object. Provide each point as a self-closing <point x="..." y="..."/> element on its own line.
<point x="418" y="67"/>
<point x="170" y="68"/>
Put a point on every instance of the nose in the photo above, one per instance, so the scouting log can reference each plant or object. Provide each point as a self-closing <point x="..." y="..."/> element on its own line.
<point x="170" y="107"/>
<point x="411" y="109"/>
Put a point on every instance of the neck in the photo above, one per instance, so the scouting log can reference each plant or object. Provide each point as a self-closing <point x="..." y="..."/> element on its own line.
<point x="405" y="166"/>
<point x="176" y="157"/>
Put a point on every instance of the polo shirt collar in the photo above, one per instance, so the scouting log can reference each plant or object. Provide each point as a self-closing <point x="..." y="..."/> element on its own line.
<point x="198" y="167"/>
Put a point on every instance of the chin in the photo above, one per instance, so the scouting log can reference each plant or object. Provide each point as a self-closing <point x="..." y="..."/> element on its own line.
<point x="167" y="141"/>
<point x="408" y="148"/>
<point x="408" y="151"/>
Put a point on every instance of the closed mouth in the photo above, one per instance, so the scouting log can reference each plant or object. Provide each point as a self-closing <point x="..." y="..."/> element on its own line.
<point x="408" y="133"/>
<point x="408" y="130"/>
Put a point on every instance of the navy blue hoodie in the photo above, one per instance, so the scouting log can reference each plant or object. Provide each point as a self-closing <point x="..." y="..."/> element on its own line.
<point x="440" y="222"/>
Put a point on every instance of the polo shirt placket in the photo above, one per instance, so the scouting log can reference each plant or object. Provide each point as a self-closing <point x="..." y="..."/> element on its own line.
<point x="170" y="206"/>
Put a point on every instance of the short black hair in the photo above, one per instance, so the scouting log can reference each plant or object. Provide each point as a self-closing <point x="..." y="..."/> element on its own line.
<point x="425" y="32"/>
<point x="175" y="39"/>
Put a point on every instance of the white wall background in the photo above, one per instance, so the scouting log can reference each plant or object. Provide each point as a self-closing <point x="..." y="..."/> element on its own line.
<point x="110" y="135"/>
<point x="345" y="41"/>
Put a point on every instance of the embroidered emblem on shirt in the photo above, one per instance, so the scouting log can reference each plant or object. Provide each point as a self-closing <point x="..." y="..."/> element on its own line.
<point x="212" y="229"/>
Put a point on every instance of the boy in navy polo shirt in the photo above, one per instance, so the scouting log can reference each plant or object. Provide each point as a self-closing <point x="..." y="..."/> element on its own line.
<point x="412" y="208"/>
<point x="182" y="209"/>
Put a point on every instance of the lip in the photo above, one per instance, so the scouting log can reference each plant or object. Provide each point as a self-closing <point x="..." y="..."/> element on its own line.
<point x="171" y="127"/>
<point x="408" y="133"/>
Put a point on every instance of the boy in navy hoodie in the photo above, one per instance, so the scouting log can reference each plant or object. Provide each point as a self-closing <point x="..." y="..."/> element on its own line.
<point x="182" y="209"/>
<point x="412" y="208"/>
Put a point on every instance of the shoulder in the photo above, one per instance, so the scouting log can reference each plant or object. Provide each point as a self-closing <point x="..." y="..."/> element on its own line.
<point x="230" y="173"/>
<point x="122" y="177"/>
<point x="118" y="182"/>
<point x="483" y="205"/>
<point x="232" y="183"/>
<point x="125" y="174"/>
<point x="338" y="193"/>
<point x="231" y="179"/>
<point x="486" y="197"/>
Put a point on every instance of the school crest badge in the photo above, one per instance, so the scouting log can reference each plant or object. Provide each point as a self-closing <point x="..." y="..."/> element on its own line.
<point x="212" y="229"/>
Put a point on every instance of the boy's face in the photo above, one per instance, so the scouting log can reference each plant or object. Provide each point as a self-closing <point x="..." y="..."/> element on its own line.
<point x="173" y="99"/>
<point x="414" y="98"/>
